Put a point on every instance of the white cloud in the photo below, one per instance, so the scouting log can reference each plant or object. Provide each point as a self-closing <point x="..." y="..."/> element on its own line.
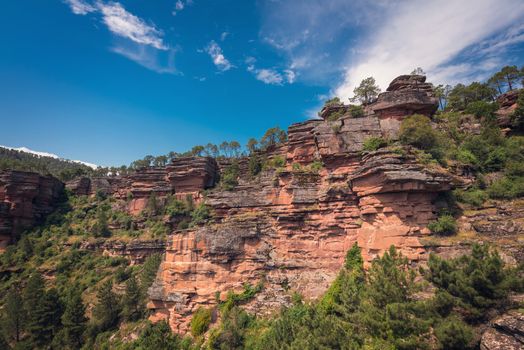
<point x="124" y="24"/>
<point x="224" y="35"/>
<point x="80" y="7"/>
<point x="329" y="41"/>
<point x="269" y="75"/>
<point x="159" y="61"/>
<point x="180" y="5"/>
<point x="220" y="61"/>
<point x="436" y="35"/>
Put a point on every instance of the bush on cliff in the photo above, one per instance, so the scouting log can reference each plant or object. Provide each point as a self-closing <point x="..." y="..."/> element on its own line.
<point x="416" y="131"/>
<point x="201" y="321"/>
<point x="374" y="143"/>
<point x="445" y="225"/>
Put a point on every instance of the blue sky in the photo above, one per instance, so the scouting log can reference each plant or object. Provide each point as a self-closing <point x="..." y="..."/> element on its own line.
<point x="110" y="81"/>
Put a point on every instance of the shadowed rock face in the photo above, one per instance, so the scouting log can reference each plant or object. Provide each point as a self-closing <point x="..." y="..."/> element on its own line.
<point x="26" y="198"/>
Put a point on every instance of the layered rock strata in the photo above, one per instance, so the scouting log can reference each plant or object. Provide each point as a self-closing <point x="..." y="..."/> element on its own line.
<point x="26" y="198"/>
<point x="291" y="227"/>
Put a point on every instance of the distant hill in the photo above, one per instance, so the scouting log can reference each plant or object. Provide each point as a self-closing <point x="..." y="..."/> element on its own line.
<point x="42" y="162"/>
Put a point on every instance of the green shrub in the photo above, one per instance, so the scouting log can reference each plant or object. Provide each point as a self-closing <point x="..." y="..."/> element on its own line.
<point x="356" y="111"/>
<point x="444" y="225"/>
<point x="254" y="165"/>
<point x="201" y="321"/>
<point x="374" y="143"/>
<point x="454" y="334"/>
<point x="474" y="196"/>
<point x="482" y="109"/>
<point x="201" y="214"/>
<point x="506" y="188"/>
<point x="416" y="131"/>
<point x="229" y="178"/>
<point x="316" y="166"/>
<point x="466" y="157"/>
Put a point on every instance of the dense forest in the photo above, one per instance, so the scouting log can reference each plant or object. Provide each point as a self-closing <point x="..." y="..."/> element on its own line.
<point x="56" y="294"/>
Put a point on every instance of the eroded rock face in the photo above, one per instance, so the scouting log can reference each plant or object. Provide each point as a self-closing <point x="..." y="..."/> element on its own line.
<point x="183" y="176"/>
<point x="136" y="250"/>
<point x="291" y="227"/>
<point x="505" y="333"/>
<point x="26" y="198"/>
<point x="507" y="106"/>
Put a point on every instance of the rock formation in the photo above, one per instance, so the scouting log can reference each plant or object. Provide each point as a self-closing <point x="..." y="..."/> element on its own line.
<point x="25" y="199"/>
<point x="505" y="333"/>
<point x="291" y="227"/>
<point x="507" y="106"/>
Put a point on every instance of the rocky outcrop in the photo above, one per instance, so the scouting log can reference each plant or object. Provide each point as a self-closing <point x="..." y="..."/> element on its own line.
<point x="26" y="198"/>
<point x="406" y="95"/>
<point x="507" y="106"/>
<point x="505" y="333"/>
<point x="183" y="176"/>
<point x="136" y="250"/>
<point x="291" y="227"/>
<point x="192" y="174"/>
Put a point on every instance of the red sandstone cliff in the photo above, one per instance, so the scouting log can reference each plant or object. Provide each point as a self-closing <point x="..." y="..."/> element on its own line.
<point x="25" y="199"/>
<point x="291" y="227"/>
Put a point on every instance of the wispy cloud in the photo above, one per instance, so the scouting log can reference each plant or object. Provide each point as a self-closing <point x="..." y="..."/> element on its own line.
<point x="80" y="7"/>
<point x="439" y="36"/>
<point x="270" y="75"/>
<point x="224" y="35"/>
<point x="124" y="24"/>
<point x="159" y="61"/>
<point x="220" y="61"/>
<point x="180" y="5"/>
<point x="340" y="42"/>
<point x="144" y="42"/>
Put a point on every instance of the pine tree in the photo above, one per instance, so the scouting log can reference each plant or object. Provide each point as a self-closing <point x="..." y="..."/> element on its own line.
<point x="14" y="315"/>
<point x="74" y="320"/>
<point x="43" y="311"/>
<point x="132" y="303"/>
<point x="107" y="310"/>
<point x="100" y="229"/>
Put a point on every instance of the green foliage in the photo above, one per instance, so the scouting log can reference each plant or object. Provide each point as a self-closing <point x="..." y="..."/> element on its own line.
<point x="149" y="271"/>
<point x="478" y="281"/>
<point x="273" y="137"/>
<point x="454" y="334"/>
<point x="158" y="336"/>
<point x="200" y="215"/>
<point x="445" y="225"/>
<point x="62" y="169"/>
<point x="517" y="118"/>
<point x="152" y="206"/>
<point x="374" y="143"/>
<point x="107" y="310"/>
<point x="254" y="165"/>
<point x="275" y="162"/>
<point x="14" y="316"/>
<point x="507" y="188"/>
<point x="366" y="92"/>
<point x="229" y="177"/>
<point x="356" y="111"/>
<point x="133" y="307"/>
<point x="474" y="196"/>
<point x="100" y="228"/>
<point x="416" y="131"/>
<point x="461" y="96"/>
<point x="482" y="109"/>
<point x="201" y="321"/>
<point x="74" y="320"/>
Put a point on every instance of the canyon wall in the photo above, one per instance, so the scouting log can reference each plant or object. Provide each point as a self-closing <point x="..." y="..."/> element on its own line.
<point x="25" y="200"/>
<point x="289" y="228"/>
